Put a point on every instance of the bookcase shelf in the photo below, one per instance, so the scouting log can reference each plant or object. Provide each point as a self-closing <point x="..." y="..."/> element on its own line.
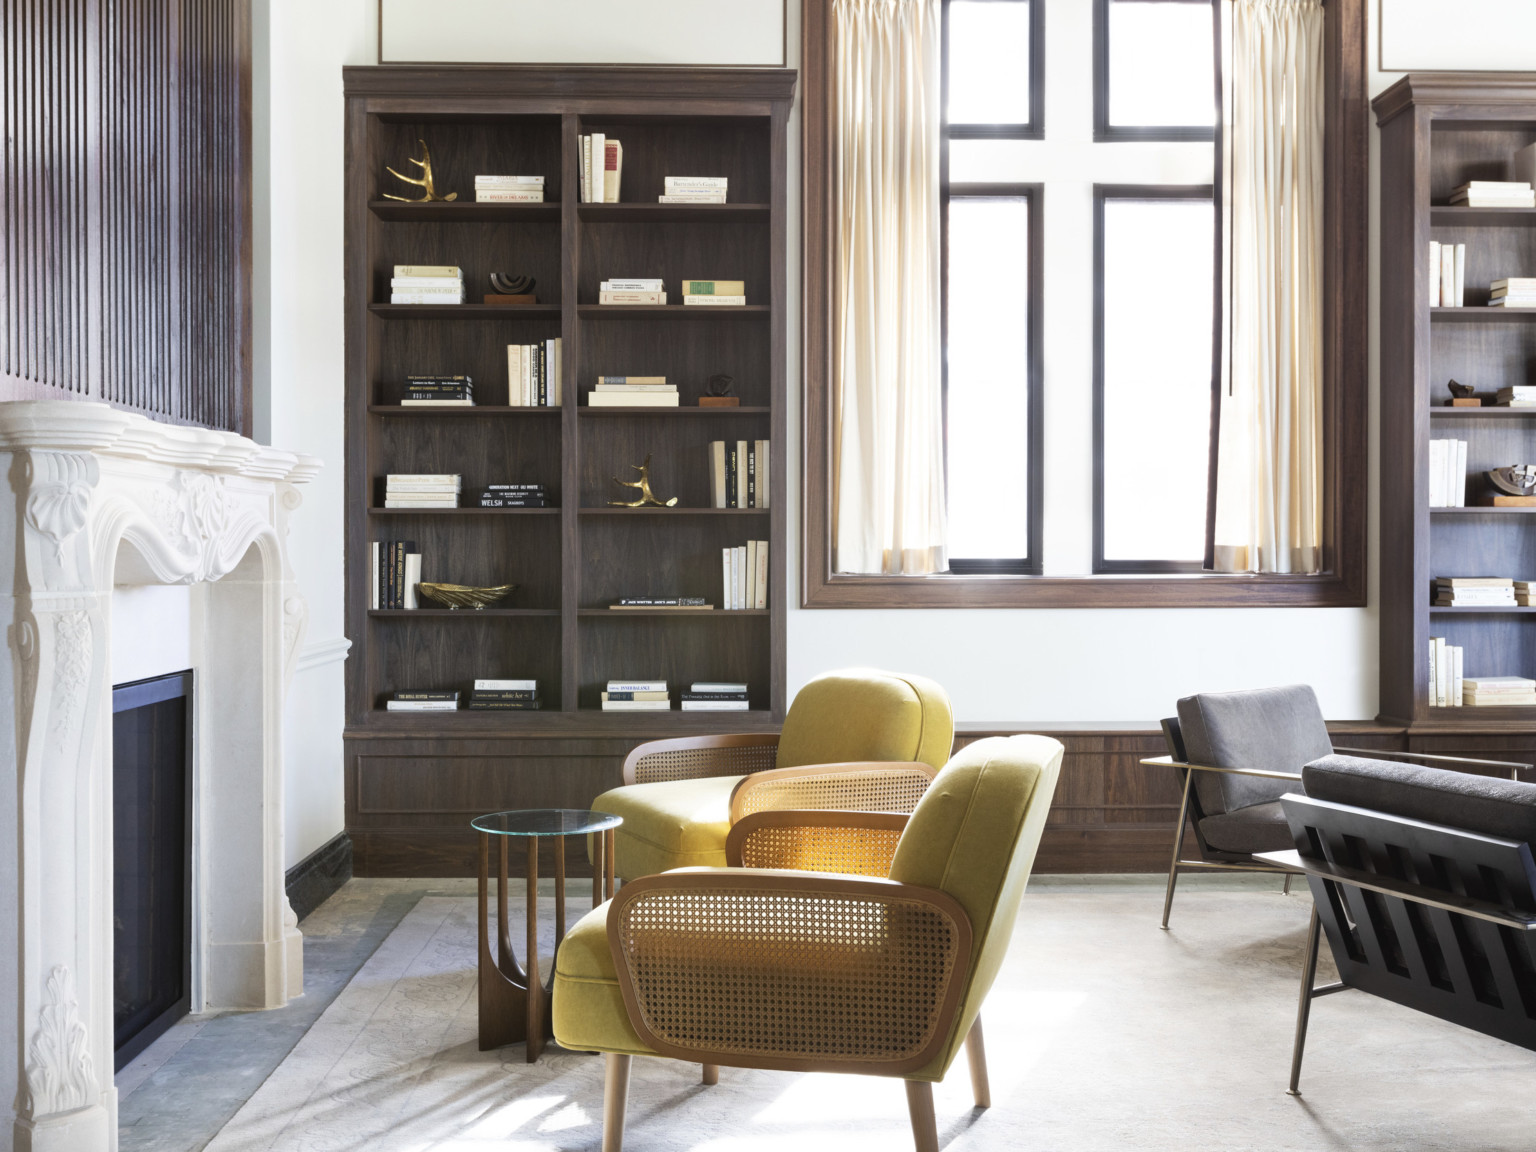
<point x="1436" y="133"/>
<point x="463" y="212"/>
<point x="415" y="778"/>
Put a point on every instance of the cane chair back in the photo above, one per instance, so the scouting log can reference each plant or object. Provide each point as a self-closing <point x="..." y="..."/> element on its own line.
<point x="695" y="757"/>
<point x="868" y="786"/>
<point x="852" y="843"/>
<point x="974" y="836"/>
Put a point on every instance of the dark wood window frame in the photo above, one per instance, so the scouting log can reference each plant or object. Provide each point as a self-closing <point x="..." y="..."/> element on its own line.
<point x="1105" y="132"/>
<point x="1102" y="193"/>
<point x="1034" y="127"/>
<point x="1346" y="284"/>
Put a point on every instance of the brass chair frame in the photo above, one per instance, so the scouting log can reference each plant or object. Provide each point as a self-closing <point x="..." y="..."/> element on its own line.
<point x="1217" y="860"/>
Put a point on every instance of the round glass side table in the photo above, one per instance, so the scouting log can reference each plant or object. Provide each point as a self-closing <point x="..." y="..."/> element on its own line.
<point x="514" y="1001"/>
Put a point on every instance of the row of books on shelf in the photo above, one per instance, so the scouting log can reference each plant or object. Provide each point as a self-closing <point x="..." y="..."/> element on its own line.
<point x="438" y="392"/>
<point x="425" y="490"/>
<point x="533" y="374"/>
<point x="396" y="571"/>
<point x="1448" y="281"/>
<point x="602" y="168"/>
<point x="651" y="291"/>
<point x="632" y="392"/>
<point x="1500" y="193"/>
<point x="1449" y="687"/>
<point x="694" y="190"/>
<point x="487" y="696"/>
<point x="653" y="696"/>
<point x="1482" y="592"/>
<point x="744" y="574"/>
<point x="739" y="473"/>
<point x="1513" y="292"/>
<point x="426" y="284"/>
<point x="1447" y="473"/>
<point x="509" y="189"/>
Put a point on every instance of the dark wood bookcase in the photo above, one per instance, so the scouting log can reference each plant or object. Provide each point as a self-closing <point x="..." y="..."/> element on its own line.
<point x="414" y="780"/>
<point x="1439" y="131"/>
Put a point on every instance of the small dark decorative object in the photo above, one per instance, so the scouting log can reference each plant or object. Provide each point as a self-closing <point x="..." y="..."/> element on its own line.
<point x="719" y="396"/>
<point x="1515" y="480"/>
<point x="1463" y="395"/>
<point x="512" y="285"/>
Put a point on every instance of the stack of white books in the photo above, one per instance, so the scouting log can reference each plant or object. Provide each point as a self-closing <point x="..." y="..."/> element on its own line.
<point x="745" y="575"/>
<point x="716" y="292"/>
<point x="1525" y="593"/>
<point x="1506" y="691"/>
<point x="631" y="292"/>
<point x="637" y="696"/>
<point x="509" y="189"/>
<point x="1447" y="473"/>
<point x="1474" y="592"/>
<point x="426" y="284"/>
<point x="632" y="392"/>
<point x="1513" y="292"/>
<point x="715" y="696"/>
<point x="694" y="190"/>
<point x="1516" y="396"/>
<point x="421" y="490"/>
<point x="423" y="702"/>
<point x="1494" y="194"/>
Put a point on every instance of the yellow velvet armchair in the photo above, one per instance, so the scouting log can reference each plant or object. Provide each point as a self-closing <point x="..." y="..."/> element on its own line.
<point x="677" y="794"/>
<point x="816" y="971"/>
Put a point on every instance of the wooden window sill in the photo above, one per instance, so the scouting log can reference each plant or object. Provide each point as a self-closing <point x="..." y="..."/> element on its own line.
<point x="1193" y="590"/>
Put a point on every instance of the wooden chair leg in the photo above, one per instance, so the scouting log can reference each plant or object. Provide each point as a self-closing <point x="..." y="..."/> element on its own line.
<point x="615" y="1096"/>
<point x="711" y="1073"/>
<point x="925" y="1127"/>
<point x="976" y="1055"/>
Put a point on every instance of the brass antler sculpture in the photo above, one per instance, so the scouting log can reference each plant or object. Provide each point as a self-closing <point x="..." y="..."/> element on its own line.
<point x="425" y="164"/>
<point x="647" y="497"/>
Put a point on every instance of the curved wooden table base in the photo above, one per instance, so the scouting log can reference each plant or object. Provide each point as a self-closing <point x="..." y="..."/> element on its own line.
<point x="514" y="1000"/>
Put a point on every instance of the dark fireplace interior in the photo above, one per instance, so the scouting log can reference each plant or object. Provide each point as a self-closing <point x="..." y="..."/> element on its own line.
<point x="151" y="850"/>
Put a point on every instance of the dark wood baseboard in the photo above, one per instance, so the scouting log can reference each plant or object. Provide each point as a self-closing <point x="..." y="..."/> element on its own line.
<point x="318" y="876"/>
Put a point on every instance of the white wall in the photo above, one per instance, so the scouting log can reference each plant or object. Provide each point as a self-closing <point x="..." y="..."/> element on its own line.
<point x="998" y="665"/>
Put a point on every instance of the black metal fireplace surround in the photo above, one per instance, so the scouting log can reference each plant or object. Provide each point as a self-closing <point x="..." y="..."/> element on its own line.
<point x="151" y="851"/>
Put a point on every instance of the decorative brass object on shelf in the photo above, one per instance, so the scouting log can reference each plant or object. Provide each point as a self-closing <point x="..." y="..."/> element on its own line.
<point x="464" y="596"/>
<point x="425" y="182"/>
<point x="647" y="497"/>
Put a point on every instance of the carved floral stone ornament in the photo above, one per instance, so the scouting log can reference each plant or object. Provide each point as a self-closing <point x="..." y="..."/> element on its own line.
<point x="60" y="499"/>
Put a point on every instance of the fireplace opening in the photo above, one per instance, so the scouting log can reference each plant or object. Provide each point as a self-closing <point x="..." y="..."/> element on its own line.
<point x="152" y="859"/>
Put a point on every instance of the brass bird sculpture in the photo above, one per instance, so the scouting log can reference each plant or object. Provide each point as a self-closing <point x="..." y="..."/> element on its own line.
<point x="647" y="497"/>
<point x="425" y="183"/>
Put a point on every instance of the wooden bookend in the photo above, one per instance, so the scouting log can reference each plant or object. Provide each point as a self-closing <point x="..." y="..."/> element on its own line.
<point x="719" y="401"/>
<point x="510" y="301"/>
<point x="1468" y="402"/>
<point x="1514" y="502"/>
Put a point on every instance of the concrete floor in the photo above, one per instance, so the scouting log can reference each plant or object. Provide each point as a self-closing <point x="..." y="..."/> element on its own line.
<point x="1103" y="1034"/>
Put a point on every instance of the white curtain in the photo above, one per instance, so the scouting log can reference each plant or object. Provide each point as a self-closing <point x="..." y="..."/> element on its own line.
<point x="887" y="417"/>
<point x="1269" y="479"/>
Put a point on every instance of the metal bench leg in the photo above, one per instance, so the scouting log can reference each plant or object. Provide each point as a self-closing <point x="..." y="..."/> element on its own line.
<point x="1178" y="842"/>
<point x="1304" y="1002"/>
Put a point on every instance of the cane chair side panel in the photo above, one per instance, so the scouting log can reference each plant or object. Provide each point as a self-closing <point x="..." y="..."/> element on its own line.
<point x="852" y="843"/>
<point x="873" y="786"/>
<point x="1462" y="968"/>
<point x="810" y="973"/>
<point x="697" y="757"/>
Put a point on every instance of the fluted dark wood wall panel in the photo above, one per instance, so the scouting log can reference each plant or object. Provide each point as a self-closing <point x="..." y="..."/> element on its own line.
<point x="127" y="206"/>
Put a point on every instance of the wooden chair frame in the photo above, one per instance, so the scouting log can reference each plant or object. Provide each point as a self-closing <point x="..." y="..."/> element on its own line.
<point x="1461" y="946"/>
<point x="1218" y="860"/>
<point x="794" y="837"/>
<point x="751" y="894"/>
<point x="815" y="782"/>
<point x="724" y="743"/>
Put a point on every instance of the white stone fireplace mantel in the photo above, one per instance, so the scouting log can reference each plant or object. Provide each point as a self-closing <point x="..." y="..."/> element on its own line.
<point x="102" y="498"/>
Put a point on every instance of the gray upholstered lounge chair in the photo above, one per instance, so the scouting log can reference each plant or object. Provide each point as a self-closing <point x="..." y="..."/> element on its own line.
<point x="1424" y="883"/>
<point x="1237" y="753"/>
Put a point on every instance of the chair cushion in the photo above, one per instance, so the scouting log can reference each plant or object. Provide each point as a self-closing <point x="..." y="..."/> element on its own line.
<point x="588" y="1013"/>
<point x="670" y="824"/>
<point x="1486" y="804"/>
<point x="1256" y="828"/>
<point x="865" y="714"/>
<point x="1273" y="729"/>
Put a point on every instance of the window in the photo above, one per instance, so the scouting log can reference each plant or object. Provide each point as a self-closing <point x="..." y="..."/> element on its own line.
<point x="1079" y="312"/>
<point x="991" y="291"/>
<point x="1154" y="70"/>
<point x="1154" y="331"/>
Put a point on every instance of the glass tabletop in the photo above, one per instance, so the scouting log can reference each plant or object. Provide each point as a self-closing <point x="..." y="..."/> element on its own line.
<point x="545" y="822"/>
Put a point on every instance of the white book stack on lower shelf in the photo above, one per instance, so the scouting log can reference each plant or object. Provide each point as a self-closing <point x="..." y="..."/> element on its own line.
<point x="426" y="284"/>
<point x="637" y="696"/>
<point x="418" y="491"/>
<point x="744" y="576"/>
<point x="715" y="696"/>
